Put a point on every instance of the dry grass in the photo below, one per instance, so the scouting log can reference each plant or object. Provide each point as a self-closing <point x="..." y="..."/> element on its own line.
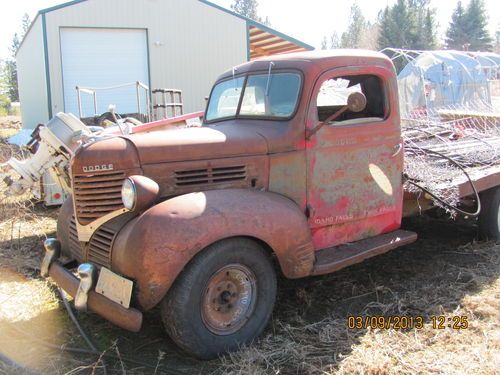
<point x="444" y="273"/>
<point x="427" y="279"/>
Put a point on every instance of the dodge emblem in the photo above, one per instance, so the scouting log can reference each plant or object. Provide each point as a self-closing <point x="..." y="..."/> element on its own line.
<point x="98" y="168"/>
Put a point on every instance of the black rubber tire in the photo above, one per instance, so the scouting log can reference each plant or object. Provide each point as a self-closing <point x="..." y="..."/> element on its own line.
<point x="489" y="223"/>
<point x="181" y="308"/>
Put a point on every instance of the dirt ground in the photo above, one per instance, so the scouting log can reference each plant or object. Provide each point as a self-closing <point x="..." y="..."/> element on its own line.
<point x="445" y="273"/>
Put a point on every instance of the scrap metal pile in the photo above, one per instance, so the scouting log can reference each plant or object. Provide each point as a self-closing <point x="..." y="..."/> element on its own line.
<point x="440" y="154"/>
<point x="449" y="102"/>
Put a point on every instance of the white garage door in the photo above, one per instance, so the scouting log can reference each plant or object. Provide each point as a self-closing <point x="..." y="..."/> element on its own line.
<point x="104" y="59"/>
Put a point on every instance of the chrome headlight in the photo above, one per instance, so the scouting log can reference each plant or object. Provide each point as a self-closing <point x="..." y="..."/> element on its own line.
<point x="129" y="194"/>
<point x="139" y="193"/>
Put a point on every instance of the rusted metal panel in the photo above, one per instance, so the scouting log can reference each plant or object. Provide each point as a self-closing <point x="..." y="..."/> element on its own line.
<point x="287" y="176"/>
<point x="336" y="258"/>
<point x="155" y="247"/>
<point x="354" y="180"/>
<point x="190" y="176"/>
<point x="198" y="143"/>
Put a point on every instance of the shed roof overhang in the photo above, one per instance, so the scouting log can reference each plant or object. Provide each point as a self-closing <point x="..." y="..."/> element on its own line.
<point x="264" y="41"/>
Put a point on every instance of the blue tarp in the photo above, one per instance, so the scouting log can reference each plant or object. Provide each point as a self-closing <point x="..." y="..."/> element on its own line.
<point x="437" y="79"/>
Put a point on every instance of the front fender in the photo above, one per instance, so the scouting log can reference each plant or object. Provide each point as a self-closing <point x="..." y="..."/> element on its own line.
<point x="155" y="247"/>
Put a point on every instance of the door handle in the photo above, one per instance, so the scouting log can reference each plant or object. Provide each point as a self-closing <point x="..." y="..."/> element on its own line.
<point x="397" y="149"/>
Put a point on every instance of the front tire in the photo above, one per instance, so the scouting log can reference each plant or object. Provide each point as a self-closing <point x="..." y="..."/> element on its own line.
<point x="489" y="218"/>
<point x="223" y="299"/>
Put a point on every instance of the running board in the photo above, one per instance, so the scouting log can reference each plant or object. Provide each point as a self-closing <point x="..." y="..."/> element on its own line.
<point x="334" y="258"/>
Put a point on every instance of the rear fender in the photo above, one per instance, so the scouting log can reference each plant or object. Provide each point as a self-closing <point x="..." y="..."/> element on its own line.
<point x="155" y="247"/>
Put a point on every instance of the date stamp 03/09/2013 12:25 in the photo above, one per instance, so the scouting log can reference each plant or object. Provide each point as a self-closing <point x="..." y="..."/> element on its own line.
<point x="398" y="322"/>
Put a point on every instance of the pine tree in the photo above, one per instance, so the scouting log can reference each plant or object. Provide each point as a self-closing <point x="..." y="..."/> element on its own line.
<point x="429" y="31"/>
<point x="4" y="99"/>
<point x="10" y="71"/>
<point x="357" y="24"/>
<point x="456" y="35"/>
<point x="10" y="68"/>
<point x="468" y="28"/>
<point x="324" y="43"/>
<point x="25" y="23"/>
<point x="425" y="25"/>
<point x="497" y="41"/>
<point x="477" y="27"/>
<point x="249" y="8"/>
<point x="332" y="42"/>
<point x="369" y="36"/>
<point x="408" y="24"/>
<point x="386" y="26"/>
<point x="397" y="27"/>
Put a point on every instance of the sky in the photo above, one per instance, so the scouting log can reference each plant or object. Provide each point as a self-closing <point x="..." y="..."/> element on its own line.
<point x="308" y="21"/>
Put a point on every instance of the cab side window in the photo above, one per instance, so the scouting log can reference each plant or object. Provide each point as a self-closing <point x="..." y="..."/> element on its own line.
<point x="334" y="92"/>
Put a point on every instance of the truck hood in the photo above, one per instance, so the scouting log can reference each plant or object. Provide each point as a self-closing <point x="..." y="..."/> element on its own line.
<point x="197" y="144"/>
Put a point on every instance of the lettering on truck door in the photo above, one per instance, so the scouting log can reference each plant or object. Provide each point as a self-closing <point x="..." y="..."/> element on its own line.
<point x="355" y="162"/>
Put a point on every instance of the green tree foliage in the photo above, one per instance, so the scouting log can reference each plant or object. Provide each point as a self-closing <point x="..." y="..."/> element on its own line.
<point x="456" y="35"/>
<point x="468" y="29"/>
<point x="332" y="42"/>
<point x="359" y="34"/>
<point x="249" y="8"/>
<point x="4" y="99"/>
<point x="497" y="40"/>
<point x="4" y="105"/>
<point x="351" y="38"/>
<point x="477" y="27"/>
<point x="324" y="43"/>
<point x="25" y="23"/>
<point x="9" y="69"/>
<point x="408" y="24"/>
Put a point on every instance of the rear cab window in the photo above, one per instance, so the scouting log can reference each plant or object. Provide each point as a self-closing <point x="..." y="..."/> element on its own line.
<point x="334" y="92"/>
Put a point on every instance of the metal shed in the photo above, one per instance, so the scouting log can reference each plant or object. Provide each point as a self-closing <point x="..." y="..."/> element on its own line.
<point x="181" y="44"/>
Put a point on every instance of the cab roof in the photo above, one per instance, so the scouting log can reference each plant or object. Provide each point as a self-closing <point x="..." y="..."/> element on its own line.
<point x="305" y="61"/>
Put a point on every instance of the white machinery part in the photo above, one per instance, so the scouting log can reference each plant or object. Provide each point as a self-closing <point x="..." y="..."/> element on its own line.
<point x="57" y="142"/>
<point x="52" y="191"/>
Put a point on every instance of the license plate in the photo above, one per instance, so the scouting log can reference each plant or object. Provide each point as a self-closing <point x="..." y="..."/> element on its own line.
<point x="114" y="287"/>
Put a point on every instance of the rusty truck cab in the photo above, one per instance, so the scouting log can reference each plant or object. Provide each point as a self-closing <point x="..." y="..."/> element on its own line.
<point x="281" y="164"/>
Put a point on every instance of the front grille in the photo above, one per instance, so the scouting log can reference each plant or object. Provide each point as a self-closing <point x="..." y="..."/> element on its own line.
<point x="99" y="249"/>
<point x="210" y="175"/>
<point x="75" y="247"/>
<point x="97" y="195"/>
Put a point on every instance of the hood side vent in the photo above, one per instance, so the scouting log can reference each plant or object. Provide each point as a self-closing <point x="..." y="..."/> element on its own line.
<point x="210" y="175"/>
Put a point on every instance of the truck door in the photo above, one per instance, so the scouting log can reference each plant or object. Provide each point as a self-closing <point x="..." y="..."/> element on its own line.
<point x="355" y="162"/>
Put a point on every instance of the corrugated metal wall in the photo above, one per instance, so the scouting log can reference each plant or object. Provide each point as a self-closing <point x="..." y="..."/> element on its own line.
<point x="190" y="43"/>
<point x="31" y="80"/>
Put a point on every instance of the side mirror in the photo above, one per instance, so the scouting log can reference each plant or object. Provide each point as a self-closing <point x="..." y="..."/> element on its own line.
<point x="356" y="102"/>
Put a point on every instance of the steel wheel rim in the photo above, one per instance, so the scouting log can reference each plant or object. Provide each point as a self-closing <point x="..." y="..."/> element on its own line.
<point x="228" y="299"/>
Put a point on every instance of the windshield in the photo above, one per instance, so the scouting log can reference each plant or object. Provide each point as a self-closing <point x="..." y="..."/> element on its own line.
<point x="264" y="95"/>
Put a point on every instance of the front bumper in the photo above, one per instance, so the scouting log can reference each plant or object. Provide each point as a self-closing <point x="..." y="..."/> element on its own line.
<point x="129" y="319"/>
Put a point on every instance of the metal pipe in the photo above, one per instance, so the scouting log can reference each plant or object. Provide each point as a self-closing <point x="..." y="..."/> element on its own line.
<point x="79" y="98"/>
<point x="95" y="103"/>
<point x="138" y="94"/>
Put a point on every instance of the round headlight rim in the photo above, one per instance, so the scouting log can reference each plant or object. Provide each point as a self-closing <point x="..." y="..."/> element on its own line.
<point x="130" y="182"/>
